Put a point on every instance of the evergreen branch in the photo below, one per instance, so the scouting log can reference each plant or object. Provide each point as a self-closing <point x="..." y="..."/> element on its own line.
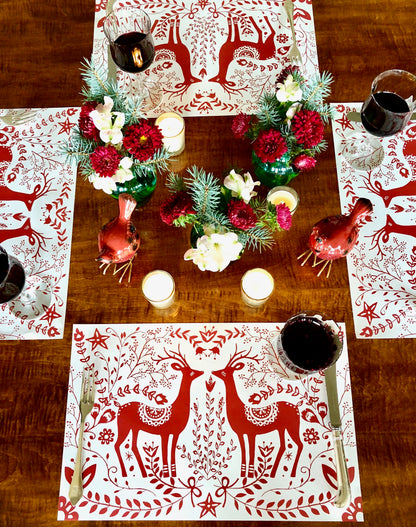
<point x="257" y="238"/>
<point x="205" y="190"/>
<point x="175" y="182"/>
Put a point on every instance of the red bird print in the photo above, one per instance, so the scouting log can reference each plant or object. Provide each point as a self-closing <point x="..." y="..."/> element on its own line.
<point x="118" y="240"/>
<point x="334" y="237"/>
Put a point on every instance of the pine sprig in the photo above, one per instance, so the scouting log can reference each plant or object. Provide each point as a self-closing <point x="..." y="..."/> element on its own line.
<point x="205" y="190"/>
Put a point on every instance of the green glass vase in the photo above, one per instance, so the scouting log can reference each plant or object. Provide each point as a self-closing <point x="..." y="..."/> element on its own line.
<point x="141" y="187"/>
<point x="280" y="172"/>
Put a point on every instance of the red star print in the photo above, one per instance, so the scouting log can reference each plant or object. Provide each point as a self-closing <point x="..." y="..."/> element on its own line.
<point x="369" y="312"/>
<point x="50" y="314"/>
<point x="65" y="126"/>
<point x="345" y="123"/>
<point x="98" y="340"/>
<point x="208" y="506"/>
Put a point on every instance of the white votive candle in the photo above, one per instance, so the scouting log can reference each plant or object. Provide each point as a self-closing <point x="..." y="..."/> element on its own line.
<point x="285" y="195"/>
<point x="256" y="287"/>
<point x="172" y="127"/>
<point x="159" y="289"/>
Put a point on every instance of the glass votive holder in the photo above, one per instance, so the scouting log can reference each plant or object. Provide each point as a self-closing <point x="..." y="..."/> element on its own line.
<point x="309" y="343"/>
<point x="286" y="195"/>
<point x="158" y="288"/>
<point x="172" y="127"/>
<point x="256" y="287"/>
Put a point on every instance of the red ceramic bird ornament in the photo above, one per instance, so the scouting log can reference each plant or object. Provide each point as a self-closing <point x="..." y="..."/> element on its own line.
<point x="118" y="240"/>
<point x="335" y="236"/>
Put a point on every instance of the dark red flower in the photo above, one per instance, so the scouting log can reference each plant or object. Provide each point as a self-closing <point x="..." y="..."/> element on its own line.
<point x="240" y="125"/>
<point x="270" y="145"/>
<point x="105" y="160"/>
<point x="308" y="128"/>
<point x="180" y="204"/>
<point x="283" y="216"/>
<point x="289" y="70"/>
<point x="304" y="162"/>
<point x="85" y="123"/>
<point x="241" y="215"/>
<point x="142" y="140"/>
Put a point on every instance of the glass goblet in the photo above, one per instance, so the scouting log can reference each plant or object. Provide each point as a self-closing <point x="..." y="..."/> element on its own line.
<point x="129" y="34"/>
<point x="386" y="111"/>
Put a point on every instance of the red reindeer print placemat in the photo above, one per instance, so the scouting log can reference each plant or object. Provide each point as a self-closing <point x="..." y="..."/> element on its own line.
<point x="382" y="267"/>
<point x="203" y="421"/>
<point x="37" y="189"/>
<point x="216" y="58"/>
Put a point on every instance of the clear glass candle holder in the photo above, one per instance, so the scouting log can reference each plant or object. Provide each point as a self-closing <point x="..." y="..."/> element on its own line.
<point x="286" y="195"/>
<point x="158" y="288"/>
<point x="256" y="287"/>
<point x="172" y="127"/>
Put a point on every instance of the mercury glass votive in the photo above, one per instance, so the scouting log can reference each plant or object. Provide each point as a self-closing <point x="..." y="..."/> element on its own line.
<point x="158" y="288"/>
<point x="256" y="287"/>
<point x="286" y="195"/>
<point x="172" y="127"/>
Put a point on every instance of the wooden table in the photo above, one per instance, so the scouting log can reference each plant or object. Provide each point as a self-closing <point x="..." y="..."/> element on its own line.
<point x="41" y="46"/>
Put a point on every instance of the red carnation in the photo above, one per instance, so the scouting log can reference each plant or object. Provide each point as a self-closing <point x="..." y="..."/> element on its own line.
<point x="105" y="160"/>
<point x="289" y="70"/>
<point x="304" y="162"/>
<point x="308" y="128"/>
<point x="283" y="216"/>
<point x="180" y="204"/>
<point x="142" y="140"/>
<point x="269" y="146"/>
<point x="240" y="125"/>
<point x="241" y="215"/>
<point x="85" y="123"/>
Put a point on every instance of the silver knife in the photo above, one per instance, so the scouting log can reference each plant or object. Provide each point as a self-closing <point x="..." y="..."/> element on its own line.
<point x="344" y="490"/>
<point x="356" y="117"/>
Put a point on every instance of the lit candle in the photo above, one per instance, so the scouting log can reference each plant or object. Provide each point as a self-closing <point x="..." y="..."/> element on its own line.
<point x="159" y="289"/>
<point x="285" y="195"/>
<point x="256" y="287"/>
<point x="172" y="127"/>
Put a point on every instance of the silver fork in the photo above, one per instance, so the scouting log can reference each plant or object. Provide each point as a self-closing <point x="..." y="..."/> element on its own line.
<point x="17" y="117"/>
<point x="86" y="404"/>
<point x="294" y="53"/>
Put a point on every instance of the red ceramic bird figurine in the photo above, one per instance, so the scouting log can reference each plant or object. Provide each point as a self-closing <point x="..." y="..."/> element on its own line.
<point x="118" y="240"/>
<point x="335" y="236"/>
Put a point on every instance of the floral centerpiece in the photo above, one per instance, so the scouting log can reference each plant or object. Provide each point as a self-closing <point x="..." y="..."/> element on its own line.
<point x="226" y="218"/>
<point x="288" y="131"/>
<point x="115" y="147"/>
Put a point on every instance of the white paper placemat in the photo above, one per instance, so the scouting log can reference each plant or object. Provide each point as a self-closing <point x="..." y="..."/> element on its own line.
<point x="156" y="380"/>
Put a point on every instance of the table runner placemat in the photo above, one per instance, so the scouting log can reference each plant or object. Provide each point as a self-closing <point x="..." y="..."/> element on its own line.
<point x="37" y="190"/>
<point x="382" y="267"/>
<point x="145" y="371"/>
<point x="216" y="58"/>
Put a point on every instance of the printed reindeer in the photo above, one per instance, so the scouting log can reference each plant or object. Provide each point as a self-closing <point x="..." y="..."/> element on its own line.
<point x="249" y="421"/>
<point x="236" y="48"/>
<point x="165" y="422"/>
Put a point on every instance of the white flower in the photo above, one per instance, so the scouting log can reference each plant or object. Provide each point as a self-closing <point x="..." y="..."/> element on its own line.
<point x="289" y="90"/>
<point x="292" y="110"/>
<point x="241" y="186"/>
<point x="215" y="252"/>
<point x="108" y="184"/>
<point x="109" y="123"/>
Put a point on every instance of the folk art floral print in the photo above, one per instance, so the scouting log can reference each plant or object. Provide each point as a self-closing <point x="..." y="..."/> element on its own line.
<point x="202" y="421"/>
<point x="216" y="58"/>
<point x="37" y="192"/>
<point x="382" y="267"/>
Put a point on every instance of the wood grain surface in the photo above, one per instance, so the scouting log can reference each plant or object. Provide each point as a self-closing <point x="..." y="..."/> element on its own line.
<point x="41" y="46"/>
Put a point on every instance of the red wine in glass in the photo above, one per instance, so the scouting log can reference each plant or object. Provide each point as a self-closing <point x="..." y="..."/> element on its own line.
<point x="385" y="113"/>
<point x="133" y="52"/>
<point x="12" y="277"/>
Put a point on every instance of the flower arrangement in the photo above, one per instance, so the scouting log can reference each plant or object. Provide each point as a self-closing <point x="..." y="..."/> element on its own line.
<point x="226" y="218"/>
<point x="113" y="143"/>
<point x="290" y="122"/>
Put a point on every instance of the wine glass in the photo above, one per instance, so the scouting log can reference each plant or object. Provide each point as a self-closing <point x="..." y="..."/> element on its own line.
<point x="28" y="296"/>
<point x="128" y="31"/>
<point x="385" y="112"/>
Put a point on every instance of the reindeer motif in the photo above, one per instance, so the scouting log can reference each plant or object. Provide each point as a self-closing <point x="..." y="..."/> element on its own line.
<point x="237" y="48"/>
<point x="166" y="422"/>
<point x="389" y="229"/>
<point x="248" y="421"/>
<point x="176" y="50"/>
